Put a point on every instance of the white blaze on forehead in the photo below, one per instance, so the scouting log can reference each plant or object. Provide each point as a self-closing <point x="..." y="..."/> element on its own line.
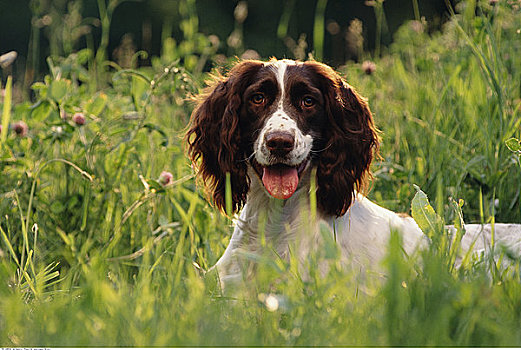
<point x="281" y="121"/>
<point x="280" y="71"/>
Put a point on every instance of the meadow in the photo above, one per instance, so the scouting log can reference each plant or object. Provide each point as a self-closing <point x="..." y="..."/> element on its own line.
<point x="101" y="247"/>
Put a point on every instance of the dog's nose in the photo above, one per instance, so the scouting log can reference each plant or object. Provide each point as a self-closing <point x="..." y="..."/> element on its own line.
<point x="280" y="143"/>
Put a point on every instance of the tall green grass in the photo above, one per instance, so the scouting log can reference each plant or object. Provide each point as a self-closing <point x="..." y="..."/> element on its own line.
<point x="447" y="104"/>
<point x="96" y="251"/>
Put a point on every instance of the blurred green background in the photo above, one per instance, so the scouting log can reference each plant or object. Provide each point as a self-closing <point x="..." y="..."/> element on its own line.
<point x="271" y="27"/>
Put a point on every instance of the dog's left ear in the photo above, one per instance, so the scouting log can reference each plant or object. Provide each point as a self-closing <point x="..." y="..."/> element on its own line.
<point x="350" y="145"/>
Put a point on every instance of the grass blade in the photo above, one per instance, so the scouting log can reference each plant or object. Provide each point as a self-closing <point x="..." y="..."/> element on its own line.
<point x="319" y="29"/>
<point x="9" y="246"/>
<point x="6" y="114"/>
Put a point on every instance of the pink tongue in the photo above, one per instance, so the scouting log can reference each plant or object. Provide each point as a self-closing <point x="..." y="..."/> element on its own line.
<point x="280" y="180"/>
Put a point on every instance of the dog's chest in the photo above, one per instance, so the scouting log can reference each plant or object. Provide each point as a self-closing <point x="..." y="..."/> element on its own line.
<point x="278" y="225"/>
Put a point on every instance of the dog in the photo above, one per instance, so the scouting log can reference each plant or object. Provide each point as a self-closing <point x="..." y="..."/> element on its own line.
<point x="280" y="130"/>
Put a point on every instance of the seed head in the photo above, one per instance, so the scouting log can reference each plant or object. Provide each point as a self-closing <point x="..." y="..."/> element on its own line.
<point x="241" y="11"/>
<point x="7" y="59"/>
<point x="250" y="55"/>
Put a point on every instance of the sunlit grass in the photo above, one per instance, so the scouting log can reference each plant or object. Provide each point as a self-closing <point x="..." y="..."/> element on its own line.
<point x="96" y="251"/>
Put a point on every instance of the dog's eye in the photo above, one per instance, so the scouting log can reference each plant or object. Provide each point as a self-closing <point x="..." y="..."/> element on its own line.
<point x="258" y="99"/>
<point x="308" y="102"/>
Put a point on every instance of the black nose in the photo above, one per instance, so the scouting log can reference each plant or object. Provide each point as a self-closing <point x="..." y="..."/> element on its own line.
<point x="280" y="143"/>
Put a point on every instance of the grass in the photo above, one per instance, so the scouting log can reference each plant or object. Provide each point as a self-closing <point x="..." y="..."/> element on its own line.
<point x="96" y="251"/>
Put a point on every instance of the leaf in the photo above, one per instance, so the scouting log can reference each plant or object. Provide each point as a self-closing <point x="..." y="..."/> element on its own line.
<point x="39" y="86"/>
<point x="139" y="90"/>
<point x="97" y="104"/>
<point x="155" y="185"/>
<point x="514" y="145"/>
<point x="58" y="89"/>
<point x="424" y="215"/>
<point x="42" y="111"/>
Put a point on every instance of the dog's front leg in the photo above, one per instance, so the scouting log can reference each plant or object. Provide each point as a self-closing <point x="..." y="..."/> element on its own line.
<point x="228" y="269"/>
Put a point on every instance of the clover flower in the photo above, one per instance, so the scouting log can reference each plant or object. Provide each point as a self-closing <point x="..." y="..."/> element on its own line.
<point x="369" y="67"/>
<point x="20" y="128"/>
<point x="78" y="118"/>
<point x="165" y="178"/>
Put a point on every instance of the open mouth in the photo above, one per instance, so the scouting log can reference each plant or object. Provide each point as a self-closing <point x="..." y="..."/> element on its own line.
<point x="280" y="180"/>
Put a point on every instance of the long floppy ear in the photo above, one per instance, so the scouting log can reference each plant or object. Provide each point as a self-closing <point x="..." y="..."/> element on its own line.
<point x="214" y="138"/>
<point x="351" y="141"/>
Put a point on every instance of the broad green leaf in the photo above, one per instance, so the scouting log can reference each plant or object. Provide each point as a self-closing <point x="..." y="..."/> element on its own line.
<point x="41" y="111"/>
<point x="58" y="89"/>
<point x="424" y="215"/>
<point x="514" y="145"/>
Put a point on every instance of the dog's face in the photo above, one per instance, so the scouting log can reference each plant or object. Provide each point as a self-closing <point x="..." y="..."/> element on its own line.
<point x="281" y="118"/>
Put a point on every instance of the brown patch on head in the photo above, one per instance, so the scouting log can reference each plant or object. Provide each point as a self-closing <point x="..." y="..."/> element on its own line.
<point x="350" y="142"/>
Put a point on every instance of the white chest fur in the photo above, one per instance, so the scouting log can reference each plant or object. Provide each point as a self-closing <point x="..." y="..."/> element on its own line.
<point x="362" y="233"/>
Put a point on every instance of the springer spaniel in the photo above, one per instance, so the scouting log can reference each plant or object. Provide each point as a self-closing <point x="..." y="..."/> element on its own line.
<point x="281" y="128"/>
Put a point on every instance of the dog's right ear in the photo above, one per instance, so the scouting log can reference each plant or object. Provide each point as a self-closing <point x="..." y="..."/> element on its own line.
<point x="214" y="139"/>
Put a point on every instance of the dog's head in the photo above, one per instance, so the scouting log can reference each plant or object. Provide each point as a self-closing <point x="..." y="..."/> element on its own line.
<point x="282" y="118"/>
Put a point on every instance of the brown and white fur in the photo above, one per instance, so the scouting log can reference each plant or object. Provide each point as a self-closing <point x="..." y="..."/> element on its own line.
<point x="271" y="126"/>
